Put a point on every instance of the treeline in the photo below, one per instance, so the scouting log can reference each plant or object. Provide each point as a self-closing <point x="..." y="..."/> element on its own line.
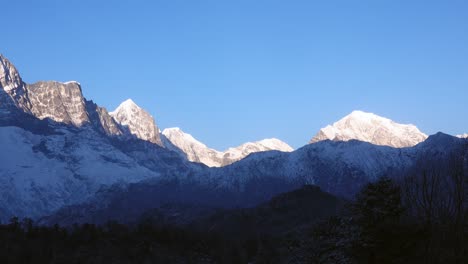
<point x="22" y="242"/>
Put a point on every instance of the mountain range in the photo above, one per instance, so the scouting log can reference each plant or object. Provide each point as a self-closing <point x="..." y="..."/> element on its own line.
<point x="66" y="159"/>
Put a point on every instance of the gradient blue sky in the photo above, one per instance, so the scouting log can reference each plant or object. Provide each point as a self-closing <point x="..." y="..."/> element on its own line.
<point x="235" y="71"/>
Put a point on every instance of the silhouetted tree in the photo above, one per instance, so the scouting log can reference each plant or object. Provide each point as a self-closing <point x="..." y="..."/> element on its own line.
<point x="377" y="211"/>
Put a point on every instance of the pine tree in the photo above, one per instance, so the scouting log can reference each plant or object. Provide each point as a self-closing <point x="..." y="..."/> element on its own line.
<point x="377" y="211"/>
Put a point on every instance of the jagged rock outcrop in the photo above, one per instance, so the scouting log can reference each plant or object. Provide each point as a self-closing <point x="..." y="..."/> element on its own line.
<point x="13" y="93"/>
<point x="371" y="128"/>
<point x="102" y="120"/>
<point x="61" y="102"/>
<point x="137" y="121"/>
<point x="185" y="144"/>
<point x="9" y="77"/>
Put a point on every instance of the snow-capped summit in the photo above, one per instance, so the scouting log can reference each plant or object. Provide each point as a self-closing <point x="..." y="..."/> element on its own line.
<point x="465" y="135"/>
<point x="75" y="82"/>
<point x="9" y="76"/>
<point x="274" y="143"/>
<point x="138" y="122"/>
<point x="371" y="128"/>
<point x="185" y="144"/>
<point x="245" y="149"/>
<point x="128" y="105"/>
<point x="13" y="93"/>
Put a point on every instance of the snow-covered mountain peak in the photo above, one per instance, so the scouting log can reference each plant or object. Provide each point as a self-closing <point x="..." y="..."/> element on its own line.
<point x="129" y="103"/>
<point x="171" y="130"/>
<point x="371" y="128"/>
<point x="275" y="144"/>
<point x="358" y="116"/>
<point x="185" y="144"/>
<point x="193" y="150"/>
<point x="175" y="133"/>
<point x="127" y="106"/>
<point x="9" y="76"/>
<point x="465" y="135"/>
<point x="248" y="148"/>
<point x="364" y="116"/>
<point x="138" y="121"/>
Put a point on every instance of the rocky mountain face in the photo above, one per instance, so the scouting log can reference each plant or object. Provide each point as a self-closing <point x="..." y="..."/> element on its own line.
<point x="58" y="149"/>
<point x="10" y="79"/>
<point x="13" y="92"/>
<point x="61" y="102"/>
<point x="103" y="121"/>
<point x="137" y="121"/>
<point x="371" y="128"/>
<point x="195" y="151"/>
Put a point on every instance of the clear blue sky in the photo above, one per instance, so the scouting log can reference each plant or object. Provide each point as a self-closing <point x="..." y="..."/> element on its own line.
<point x="235" y="71"/>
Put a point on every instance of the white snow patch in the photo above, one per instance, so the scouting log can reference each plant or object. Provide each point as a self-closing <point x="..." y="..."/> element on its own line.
<point x="70" y="82"/>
